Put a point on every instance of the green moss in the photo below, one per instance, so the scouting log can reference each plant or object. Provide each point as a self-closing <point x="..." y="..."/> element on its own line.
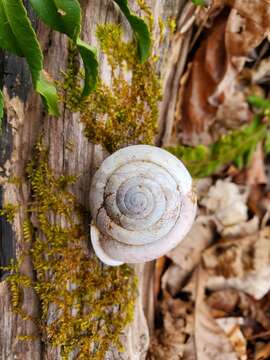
<point x="17" y="282"/>
<point x="146" y="9"/>
<point x="125" y="112"/>
<point x="171" y="23"/>
<point x="85" y="305"/>
<point x="237" y="146"/>
<point x="9" y="211"/>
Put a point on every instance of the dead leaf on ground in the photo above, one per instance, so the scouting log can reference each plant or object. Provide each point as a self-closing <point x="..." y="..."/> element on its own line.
<point x="211" y="342"/>
<point x="256" y="173"/>
<point x="159" y="268"/>
<point x="259" y="200"/>
<point x="169" y="342"/>
<point x="226" y="201"/>
<point x="231" y="327"/>
<point x="241" y="264"/>
<point x="186" y="256"/>
<point x="229" y="302"/>
<point x="189" y="350"/>
<point x="233" y="111"/>
<point x="263" y="352"/>
<point x="208" y="68"/>
<point x="202" y="187"/>
<point x="214" y="299"/>
<point x="189" y="330"/>
<point x="212" y="91"/>
<point x="261" y="74"/>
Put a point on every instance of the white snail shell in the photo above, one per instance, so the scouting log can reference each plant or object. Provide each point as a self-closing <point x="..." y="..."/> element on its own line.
<point x="142" y="205"/>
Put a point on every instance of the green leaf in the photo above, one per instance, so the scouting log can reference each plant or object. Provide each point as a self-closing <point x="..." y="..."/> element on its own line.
<point x="7" y="40"/>
<point x="90" y="62"/>
<point x="198" y="2"/>
<point x="25" y="36"/>
<point x="48" y="91"/>
<point x="239" y="161"/>
<point x="18" y="29"/>
<point x="61" y="15"/>
<point x="267" y="143"/>
<point x="1" y="107"/>
<point x="259" y="102"/>
<point x="140" y="29"/>
<point x="237" y="147"/>
<point x="65" y="16"/>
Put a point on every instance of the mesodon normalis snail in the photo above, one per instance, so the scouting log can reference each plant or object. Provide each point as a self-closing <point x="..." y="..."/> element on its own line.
<point x="142" y="205"/>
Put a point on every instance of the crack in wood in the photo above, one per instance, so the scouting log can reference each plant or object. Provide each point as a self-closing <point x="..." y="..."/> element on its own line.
<point x="7" y="242"/>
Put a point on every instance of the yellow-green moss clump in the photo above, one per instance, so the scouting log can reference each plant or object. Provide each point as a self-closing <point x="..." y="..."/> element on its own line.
<point x="8" y="212"/>
<point x="85" y="305"/>
<point x="125" y="111"/>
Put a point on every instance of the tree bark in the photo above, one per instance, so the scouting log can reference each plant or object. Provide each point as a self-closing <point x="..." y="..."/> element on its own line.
<point x="25" y="120"/>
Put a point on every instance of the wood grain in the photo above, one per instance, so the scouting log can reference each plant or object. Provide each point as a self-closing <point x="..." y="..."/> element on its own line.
<point x="25" y="120"/>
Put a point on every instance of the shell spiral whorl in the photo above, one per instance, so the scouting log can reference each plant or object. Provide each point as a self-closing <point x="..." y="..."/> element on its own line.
<point x="141" y="204"/>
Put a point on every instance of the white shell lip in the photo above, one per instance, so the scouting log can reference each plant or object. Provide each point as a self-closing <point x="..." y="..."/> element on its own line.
<point x="117" y="246"/>
<point x="95" y="239"/>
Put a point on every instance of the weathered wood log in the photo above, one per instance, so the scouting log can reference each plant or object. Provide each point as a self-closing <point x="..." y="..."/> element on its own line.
<point x="25" y="119"/>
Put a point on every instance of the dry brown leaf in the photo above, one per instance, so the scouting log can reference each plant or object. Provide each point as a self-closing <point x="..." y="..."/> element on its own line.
<point x="234" y="110"/>
<point x="189" y="350"/>
<point x="259" y="200"/>
<point x="178" y="318"/>
<point x="190" y="332"/>
<point x="231" y="326"/>
<point x="187" y="255"/>
<point x="261" y="74"/>
<point x="202" y="187"/>
<point x="226" y="201"/>
<point x="257" y="11"/>
<point x="208" y="68"/>
<point x="256" y="173"/>
<point x="242" y="35"/>
<point x="159" y="268"/>
<point x="242" y="229"/>
<point x="230" y="301"/>
<point x="263" y="352"/>
<point x="173" y="279"/>
<point x="247" y="26"/>
<point x="211" y="91"/>
<point x="223" y="301"/>
<point x="243" y="264"/>
<point x="211" y="341"/>
<point x="254" y="25"/>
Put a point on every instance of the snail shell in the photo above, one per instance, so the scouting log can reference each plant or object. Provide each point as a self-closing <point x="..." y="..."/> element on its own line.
<point x="142" y="205"/>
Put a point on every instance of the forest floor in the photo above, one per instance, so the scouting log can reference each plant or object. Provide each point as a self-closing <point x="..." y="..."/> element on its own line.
<point x="212" y="293"/>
